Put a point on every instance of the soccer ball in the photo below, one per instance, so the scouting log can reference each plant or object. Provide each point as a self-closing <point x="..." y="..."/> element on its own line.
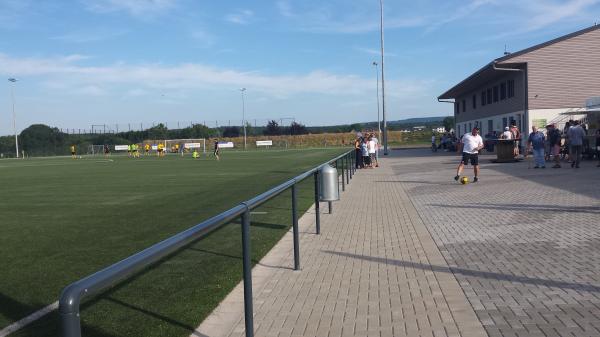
<point x="464" y="180"/>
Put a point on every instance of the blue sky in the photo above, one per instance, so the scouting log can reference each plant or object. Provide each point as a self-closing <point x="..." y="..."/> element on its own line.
<point x="84" y="62"/>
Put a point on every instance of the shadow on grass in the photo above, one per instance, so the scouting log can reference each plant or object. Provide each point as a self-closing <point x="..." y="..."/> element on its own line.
<point x="15" y="310"/>
<point x="473" y="273"/>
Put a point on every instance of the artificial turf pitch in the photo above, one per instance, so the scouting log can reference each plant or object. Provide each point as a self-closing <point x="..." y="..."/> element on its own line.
<point x="63" y="219"/>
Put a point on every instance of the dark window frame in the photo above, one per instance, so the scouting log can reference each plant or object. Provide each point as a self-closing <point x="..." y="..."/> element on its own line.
<point x="496" y="94"/>
<point x="489" y="95"/>
<point x="483" y="101"/>
<point x="502" y="91"/>
<point x="511" y="88"/>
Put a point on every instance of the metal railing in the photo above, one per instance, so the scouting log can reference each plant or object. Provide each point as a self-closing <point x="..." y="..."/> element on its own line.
<point x="72" y="295"/>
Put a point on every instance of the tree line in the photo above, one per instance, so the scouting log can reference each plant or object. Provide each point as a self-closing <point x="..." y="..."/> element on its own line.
<point x="43" y="140"/>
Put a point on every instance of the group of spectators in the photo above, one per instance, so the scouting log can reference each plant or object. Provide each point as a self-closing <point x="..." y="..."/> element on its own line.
<point x="447" y="142"/>
<point x="569" y="145"/>
<point x="367" y="150"/>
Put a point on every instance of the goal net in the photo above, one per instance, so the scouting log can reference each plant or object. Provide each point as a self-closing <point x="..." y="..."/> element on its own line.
<point x="95" y="150"/>
<point x="185" y="145"/>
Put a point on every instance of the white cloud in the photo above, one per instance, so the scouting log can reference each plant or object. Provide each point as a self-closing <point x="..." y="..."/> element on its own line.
<point x="138" y="8"/>
<point x="203" y="38"/>
<point x="545" y="13"/>
<point x="90" y="36"/>
<point x="241" y="17"/>
<point x="66" y="73"/>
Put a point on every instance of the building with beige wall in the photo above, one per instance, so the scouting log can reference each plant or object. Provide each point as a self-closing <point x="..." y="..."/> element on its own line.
<point x="536" y="85"/>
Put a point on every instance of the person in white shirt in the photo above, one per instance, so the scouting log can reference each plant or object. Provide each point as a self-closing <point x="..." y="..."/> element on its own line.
<point x="471" y="144"/>
<point x="376" y="150"/>
<point x="506" y="134"/>
<point x="372" y="146"/>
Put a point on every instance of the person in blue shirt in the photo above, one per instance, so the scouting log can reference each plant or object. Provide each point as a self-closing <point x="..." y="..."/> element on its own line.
<point x="536" y="142"/>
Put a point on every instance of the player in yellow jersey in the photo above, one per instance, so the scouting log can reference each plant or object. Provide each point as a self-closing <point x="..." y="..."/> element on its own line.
<point x="147" y="149"/>
<point x="73" y="152"/>
<point x="161" y="149"/>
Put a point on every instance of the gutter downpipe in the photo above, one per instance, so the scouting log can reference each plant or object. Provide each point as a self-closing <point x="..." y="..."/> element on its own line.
<point x="525" y="111"/>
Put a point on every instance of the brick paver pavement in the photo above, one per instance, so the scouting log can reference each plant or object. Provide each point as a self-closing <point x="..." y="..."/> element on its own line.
<point x="374" y="271"/>
<point x="523" y="243"/>
<point x="409" y="252"/>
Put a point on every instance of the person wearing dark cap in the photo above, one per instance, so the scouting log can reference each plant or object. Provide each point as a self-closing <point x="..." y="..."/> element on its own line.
<point x="471" y="143"/>
<point x="554" y="139"/>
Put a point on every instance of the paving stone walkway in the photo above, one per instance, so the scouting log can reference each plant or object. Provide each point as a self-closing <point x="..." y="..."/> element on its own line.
<point x="409" y="252"/>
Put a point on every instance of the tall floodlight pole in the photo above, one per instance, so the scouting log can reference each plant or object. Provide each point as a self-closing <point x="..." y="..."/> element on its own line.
<point x="12" y="94"/>
<point x="385" y="135"/>
<point x="378" y="121"/>
<point x="243" y="90"/>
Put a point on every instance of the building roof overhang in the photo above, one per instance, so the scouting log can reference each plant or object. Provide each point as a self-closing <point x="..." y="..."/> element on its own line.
<point x="488" y="74"/>
<point x="479" y="78"/>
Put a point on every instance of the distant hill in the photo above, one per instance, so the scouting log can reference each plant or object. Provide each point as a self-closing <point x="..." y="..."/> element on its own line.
<point x="422" y="120"/>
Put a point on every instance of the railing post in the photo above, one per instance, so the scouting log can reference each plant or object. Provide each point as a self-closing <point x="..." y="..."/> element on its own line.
<point x="330" y="204"/>
<point x="317" y="211"/>
<point x="295" y="229"/>
<point x="248" y="310"/>
<point x="343" y="181"/>
<point x="347" y="170"/>
<point x="351" y="164"/>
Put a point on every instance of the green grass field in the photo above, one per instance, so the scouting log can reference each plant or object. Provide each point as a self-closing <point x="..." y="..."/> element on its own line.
<point x="62" y="219"/>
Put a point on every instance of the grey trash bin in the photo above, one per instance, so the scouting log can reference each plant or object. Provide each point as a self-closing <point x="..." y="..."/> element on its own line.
<point x="329" y="189"/>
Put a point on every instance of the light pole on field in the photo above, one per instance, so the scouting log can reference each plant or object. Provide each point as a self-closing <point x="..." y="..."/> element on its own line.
<point x="12" y="93"/>
<point x="378" y="121"/>
<point x="243" y="90"/>
<point x="385" y="134"/>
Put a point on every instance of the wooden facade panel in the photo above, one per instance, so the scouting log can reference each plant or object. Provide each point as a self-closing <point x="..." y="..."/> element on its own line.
<point x="563" y="74"/>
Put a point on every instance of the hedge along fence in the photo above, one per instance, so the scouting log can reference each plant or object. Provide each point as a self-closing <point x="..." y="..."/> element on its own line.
<point x="326" y="139"/>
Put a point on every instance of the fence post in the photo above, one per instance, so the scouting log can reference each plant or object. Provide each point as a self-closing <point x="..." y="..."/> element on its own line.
<point x="317" y="211"/>
<point x="342" y="173"/>
<point x="295" y="229"/>
<point x="347" y="170"/>
<point x="248" y="310"/>
<point x="330" y="204"/>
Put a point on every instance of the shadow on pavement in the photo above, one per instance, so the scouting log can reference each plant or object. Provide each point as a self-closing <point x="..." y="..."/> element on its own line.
<point x="527" y="208"/>
<point x="473" y="273"/>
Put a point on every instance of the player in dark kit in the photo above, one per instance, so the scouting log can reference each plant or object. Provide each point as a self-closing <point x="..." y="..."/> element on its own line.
<point x="216" y="150"/>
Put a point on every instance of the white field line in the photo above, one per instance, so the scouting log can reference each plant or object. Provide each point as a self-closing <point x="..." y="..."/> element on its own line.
<point x="18" y="325"/>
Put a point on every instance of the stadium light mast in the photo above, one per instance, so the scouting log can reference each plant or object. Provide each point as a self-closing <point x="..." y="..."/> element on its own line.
<point x="12" y="94"/>
<point x="378" y="121"/>
<point x="243" y="90"/>
<point x="385" y="135"/>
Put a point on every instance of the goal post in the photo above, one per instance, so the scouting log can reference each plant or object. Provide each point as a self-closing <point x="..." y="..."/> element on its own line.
<point x="185" y="145"/>
<point x="95" y="150"/>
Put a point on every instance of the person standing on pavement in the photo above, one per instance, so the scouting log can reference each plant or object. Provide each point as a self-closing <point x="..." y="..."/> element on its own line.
<point x="358" y="153"/>
<point x="372" y="146"/>
<point x="554" y="140"/>
<point x="576" y="135"/>
<point x="471" y="143"/>
<point x="376" y="150"/>
<point x="598" y="146"/>
<point x="536" y="142"/>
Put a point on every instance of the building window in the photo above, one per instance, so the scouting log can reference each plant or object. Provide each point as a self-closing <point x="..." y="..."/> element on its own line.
<point x="456" y="109"/>
<point x="502" y="90"/>
<point x="483" y="98"/>
<point x="504" y="122"/>
<point x="511" y="88"/>
<point x="470" y="127"/>
<point x="489" y="96"/>
<point x="458" y="127"/>
<point x="496" y="94"/>
<point x="464" y="103"/>
<point x="474" y="102"/>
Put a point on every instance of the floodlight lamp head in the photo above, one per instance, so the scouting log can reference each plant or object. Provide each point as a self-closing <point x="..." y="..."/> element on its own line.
<point x="375" y="63"/>
<point x="243" y="89"/>
<point x="12" y="79"/>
